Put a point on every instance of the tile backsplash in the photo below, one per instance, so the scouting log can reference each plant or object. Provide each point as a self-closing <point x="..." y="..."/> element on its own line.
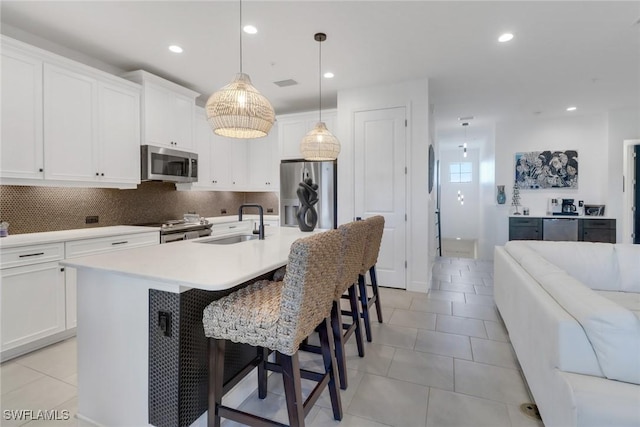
<point x="36" y="209"/>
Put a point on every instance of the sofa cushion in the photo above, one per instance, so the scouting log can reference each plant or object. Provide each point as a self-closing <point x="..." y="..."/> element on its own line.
<point x="628" y="257"/>
<point x="614" y="331"/>
<point x="594" y="264"/>
<point x="629" y="300"/>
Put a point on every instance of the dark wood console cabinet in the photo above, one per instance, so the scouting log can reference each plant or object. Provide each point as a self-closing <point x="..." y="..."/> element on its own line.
<point x="589" y="229"/>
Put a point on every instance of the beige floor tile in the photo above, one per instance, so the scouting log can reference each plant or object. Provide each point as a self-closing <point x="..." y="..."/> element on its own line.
<point x="43" y="393"/>
<point x="518" y="419"/>
<point x="65" y="413"/>
<point x="480" y="299"/>
<point x="496" y="331"/>
<point x="442" y="276"/>
<point x="386" y="400"/>
<point x="393" y="335"/>
<point x="397" y="299"/>
<point x="422" y="368"/>
<point x="484" y="290"/>
<point x="456" y="286"/>
<point x="449" y="409"/>
<point x="14" y="376"/>
<point x="413" y="319"/>
<point x="273" y="407"/>
<point x="475" y="311"/>
<point x="324" y="418"/>
<point x="490" y="382"/>
<point x="376" y="360"/>
<point x="465" y="279"/>
<point x="452" y="345"/>
<point x="431" y="305"/>
<point x="460" y="326"/>
<point x="58" y="360"/>
<point x="493" y="353"/>
<point x="446" y="295"/>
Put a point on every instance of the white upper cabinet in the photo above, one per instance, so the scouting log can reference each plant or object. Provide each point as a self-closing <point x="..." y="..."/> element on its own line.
<point x="293" y="127"/>
<point x="66" y="124"/>
<point x="71" y="126"/>
<point x="118" y="133"/>
<point x="21" y="115"/>
<point x="263" y="160"/>
<point x="168" y="112"/>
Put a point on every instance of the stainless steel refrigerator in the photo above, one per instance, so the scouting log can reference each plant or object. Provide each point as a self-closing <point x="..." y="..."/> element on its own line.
<point x="324" y="174"/>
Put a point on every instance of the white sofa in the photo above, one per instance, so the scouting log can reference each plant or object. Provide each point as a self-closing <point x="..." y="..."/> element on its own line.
<point x="572" y="310"/>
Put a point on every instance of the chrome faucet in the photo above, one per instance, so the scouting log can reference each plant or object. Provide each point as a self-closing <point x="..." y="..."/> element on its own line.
<point x="261" y="227"/>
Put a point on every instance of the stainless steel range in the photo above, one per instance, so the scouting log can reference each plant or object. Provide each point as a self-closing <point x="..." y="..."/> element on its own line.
<point x="180" y="229"/>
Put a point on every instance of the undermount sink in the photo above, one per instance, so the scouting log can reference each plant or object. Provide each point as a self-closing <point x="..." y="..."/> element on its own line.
<point x="229" y="240"/>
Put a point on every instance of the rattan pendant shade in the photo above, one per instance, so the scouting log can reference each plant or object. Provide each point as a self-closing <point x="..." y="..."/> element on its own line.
<point x="238" y="110"/>
<point x="319" y="143"/>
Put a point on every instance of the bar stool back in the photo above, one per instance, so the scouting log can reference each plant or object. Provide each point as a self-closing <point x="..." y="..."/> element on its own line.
<point x="371" y="251"/>
<point x="279" y="316"/>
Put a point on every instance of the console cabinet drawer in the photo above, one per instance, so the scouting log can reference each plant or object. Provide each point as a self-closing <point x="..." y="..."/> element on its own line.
<point x="34" y="254"/>
<point x="525" y="228"/>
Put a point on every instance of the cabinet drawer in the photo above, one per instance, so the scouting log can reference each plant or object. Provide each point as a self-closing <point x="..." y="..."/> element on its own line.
<point x="78" y="248"/>
<point x="599" y="223"/>
<point x="27" y="255"/>
<point x="234" y="227"/>
<point x="525" y="222"/>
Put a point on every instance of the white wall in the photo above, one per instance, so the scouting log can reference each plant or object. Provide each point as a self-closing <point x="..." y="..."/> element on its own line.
<point x="623" y="124"/>
<point x="460" y="220"/>
<point x="586" y="134"/>
<point x="414" y="96"/>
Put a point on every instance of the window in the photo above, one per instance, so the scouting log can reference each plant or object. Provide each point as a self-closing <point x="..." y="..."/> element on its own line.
<point x="460" y="172"/>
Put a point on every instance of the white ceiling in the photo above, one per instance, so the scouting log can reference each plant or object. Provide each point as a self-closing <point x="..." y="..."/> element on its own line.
<point x="583" y="53"/>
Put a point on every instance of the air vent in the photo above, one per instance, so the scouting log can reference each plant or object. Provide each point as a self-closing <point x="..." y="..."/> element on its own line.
<point x="284" y="83"/>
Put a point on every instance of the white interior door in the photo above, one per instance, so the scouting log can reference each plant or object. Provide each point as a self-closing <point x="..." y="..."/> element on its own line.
<point x="380" y="185"/>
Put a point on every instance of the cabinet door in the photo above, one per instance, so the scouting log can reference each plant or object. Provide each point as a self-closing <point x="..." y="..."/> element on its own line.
<point x="290" y="134"/>
<point x="22" y="143"/>
<point x="239" y="169"/>
<point x="33" y="303"/>
<point x="70" y="125"/>
<point x="203" y="141"/>
<point x="263" y="162"/>
<point x="182" y="122"/>
<point x="157" y="115"/>
<point x="119" y="134"/>
<point x="71" y="297"/>
<point x="220" y="161"/>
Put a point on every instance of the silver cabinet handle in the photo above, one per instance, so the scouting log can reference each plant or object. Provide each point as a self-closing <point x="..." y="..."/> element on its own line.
<point x="119" y="243"/>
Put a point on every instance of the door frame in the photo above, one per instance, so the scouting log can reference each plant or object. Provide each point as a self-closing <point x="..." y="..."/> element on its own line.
<point x="628" y="168"/>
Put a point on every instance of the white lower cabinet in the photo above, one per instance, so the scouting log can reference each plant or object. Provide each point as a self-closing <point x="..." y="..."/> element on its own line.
<point x="85" y="247"/>
<point x="33" y="304"/>
<point x="38" y="295"/>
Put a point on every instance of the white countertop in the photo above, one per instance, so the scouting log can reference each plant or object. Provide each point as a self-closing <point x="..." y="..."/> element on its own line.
<point x="198" y="265"/>
<point x="67" y="235"/>
<point x="234" y="218"/>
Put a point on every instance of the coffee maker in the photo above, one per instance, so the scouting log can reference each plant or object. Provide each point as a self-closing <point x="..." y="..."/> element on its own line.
<point x="568" y="208"/>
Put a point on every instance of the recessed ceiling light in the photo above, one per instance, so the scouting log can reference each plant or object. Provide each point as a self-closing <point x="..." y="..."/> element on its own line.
<point x="328" y="75"/>
<point x="505" y="37"/>
<point x="250" y="29"/>
<point x="175" y="48"/>
<point x="572" y="108"/>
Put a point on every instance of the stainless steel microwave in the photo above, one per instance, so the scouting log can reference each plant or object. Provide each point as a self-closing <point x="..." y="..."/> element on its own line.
<point x="165" y="164"/>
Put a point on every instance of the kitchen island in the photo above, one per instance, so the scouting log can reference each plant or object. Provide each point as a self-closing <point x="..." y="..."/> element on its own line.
<point x="141" y="346"/>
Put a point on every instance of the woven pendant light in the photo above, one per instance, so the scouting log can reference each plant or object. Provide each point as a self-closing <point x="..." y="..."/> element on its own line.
<point x="319" y="143"/>
<point x="238" y="110"/>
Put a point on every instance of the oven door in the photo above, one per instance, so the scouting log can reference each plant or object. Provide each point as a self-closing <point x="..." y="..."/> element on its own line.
<point x="173" y="237"/>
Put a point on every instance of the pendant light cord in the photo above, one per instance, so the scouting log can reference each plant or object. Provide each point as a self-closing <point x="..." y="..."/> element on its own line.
<point x="320" y="80"/>
<point x="240" y="36"/>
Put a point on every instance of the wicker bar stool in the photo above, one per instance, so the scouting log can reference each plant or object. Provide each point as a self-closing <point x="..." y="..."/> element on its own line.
<point x="354" y="236"/>
<point x="372" y="248"/>
<point x="278" y="316"/>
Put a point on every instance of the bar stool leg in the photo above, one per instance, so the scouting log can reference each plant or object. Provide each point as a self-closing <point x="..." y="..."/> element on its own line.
<point x="292" y="389"/>
<point x="328" y="355"/>
<point x="355" y="318"/>
<point x="262" y="372"/>
<point x="376" y="296"/>
<point x="364" y="303"/>
<point x="338" y="340"/>
<point x="216" y="379"/>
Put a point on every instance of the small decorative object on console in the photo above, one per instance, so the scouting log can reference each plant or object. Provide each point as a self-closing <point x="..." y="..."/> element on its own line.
<point x="502" y="197"/>
<point x="515" y="200"/>
<point x="594" y="210"/>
